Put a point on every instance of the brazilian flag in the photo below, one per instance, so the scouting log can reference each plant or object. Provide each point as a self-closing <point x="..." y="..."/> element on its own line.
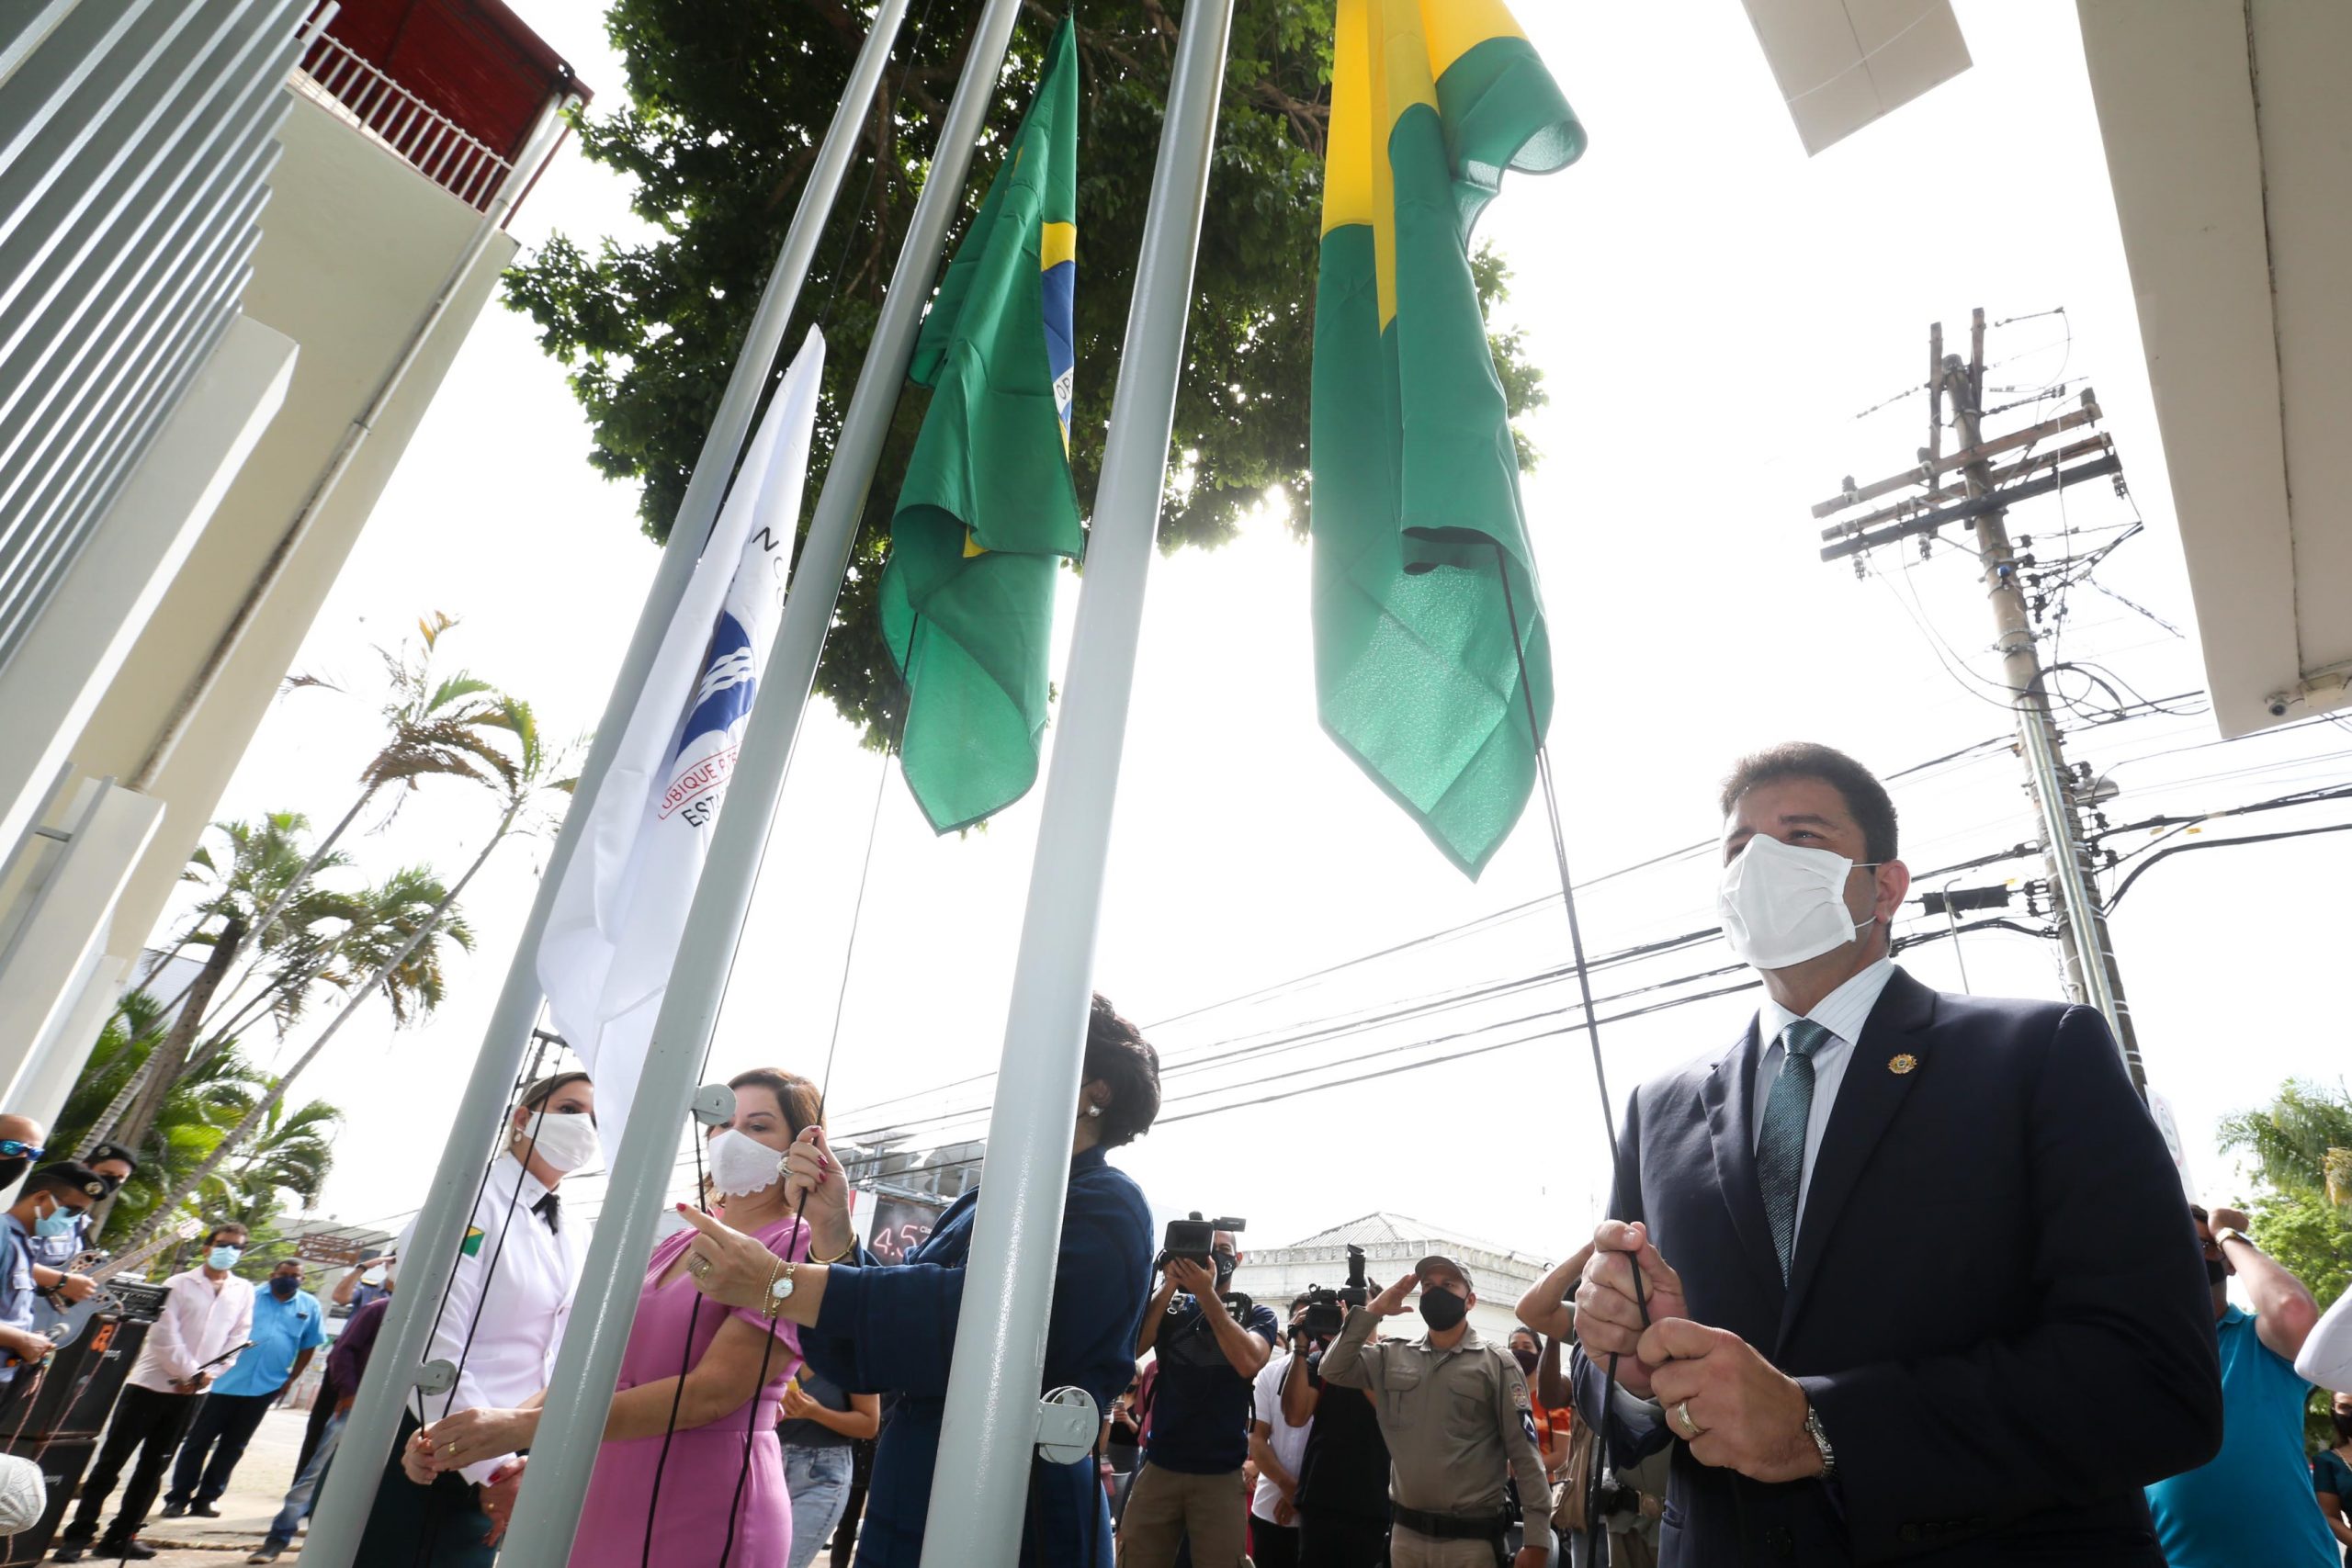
<point x="1422" y="561"/>
<point x="989" y="512"/>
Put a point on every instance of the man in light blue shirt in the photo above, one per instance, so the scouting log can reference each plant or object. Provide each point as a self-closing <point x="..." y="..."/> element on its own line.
<point x="289" y="1327"/>
<point x="2252" y="1502"/>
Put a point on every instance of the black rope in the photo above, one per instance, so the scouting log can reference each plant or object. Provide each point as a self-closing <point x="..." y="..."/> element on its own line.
<point x="685" y="1365"/>
<point x="1595" y="1530"/>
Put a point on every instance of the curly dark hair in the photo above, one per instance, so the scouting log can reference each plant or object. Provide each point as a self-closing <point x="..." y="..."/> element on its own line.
<point x="1118" y="1056"/>
<point x="1866" y="798"/>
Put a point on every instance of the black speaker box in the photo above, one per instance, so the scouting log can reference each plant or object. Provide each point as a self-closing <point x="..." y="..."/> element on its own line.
<point x="73" y="1393"/>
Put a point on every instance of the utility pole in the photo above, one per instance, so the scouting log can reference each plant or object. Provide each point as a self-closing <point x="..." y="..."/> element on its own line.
<point x="2092" y="976"/>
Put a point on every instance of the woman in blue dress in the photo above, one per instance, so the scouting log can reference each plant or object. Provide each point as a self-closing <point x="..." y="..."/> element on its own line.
<point x="874" y="1328"/>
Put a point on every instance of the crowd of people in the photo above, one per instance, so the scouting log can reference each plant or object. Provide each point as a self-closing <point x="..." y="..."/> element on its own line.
<point x="1895" y="1275"/>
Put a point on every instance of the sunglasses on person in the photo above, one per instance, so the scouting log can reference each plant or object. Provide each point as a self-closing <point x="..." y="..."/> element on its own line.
<point x="14" y="1148"/>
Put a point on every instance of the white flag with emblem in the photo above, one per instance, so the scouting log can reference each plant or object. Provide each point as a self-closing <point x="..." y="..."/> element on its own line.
<point x="613" y="930"/>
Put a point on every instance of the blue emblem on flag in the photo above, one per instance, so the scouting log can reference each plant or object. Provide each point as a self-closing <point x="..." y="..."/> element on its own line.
<point x="730" y="681"/>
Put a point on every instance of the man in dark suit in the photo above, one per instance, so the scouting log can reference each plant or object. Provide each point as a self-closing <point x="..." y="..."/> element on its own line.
<point x="1921" y="1283"/>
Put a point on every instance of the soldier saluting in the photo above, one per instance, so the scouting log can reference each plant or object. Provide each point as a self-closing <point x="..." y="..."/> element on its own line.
<point x="1454" y="1411"/>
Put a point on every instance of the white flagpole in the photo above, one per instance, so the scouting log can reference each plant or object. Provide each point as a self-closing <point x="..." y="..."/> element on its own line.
<point x="980" y="1484"/>
<point x="579" y="1393"/>
<point x="398" y="1359"/>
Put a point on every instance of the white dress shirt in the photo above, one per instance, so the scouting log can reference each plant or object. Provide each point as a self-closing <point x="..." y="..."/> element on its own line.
<point x="200" y="1320"/>
<point x="1842" y="1012"/>
<point x="522" y="1310"/>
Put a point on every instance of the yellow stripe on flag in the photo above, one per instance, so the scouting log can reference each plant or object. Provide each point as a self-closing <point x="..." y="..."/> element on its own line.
<point x="1347" y="145"/>
<point x="1456" y="26"/>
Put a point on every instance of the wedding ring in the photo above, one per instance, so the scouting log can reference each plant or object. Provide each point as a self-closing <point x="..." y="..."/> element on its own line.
<point x="698" y="1266"/>
<point x="1682" y="1415"/>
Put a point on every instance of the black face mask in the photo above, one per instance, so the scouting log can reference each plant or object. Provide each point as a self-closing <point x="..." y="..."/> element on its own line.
<point x="13" y="1167"/>
<point x="1223" y="1262"/>
<point x="1527" y="1360"/>
<point x="2216" y="1271"/>
<point x="1442" y="1309"/>
<point x="2343" y="1420"/>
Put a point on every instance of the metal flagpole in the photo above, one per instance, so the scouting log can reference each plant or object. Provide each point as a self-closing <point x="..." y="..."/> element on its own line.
<point x="980" y="1484"/>
<point x="397" y="1360"/>
<point x="580" y="1394"/>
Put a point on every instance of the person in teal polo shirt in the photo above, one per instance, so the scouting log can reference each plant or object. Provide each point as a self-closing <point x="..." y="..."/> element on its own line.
<point x="289" y="1327"/>
<point x="2253" y="1502"/>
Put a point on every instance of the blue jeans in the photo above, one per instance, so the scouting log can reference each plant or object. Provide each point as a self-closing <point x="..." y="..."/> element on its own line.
<point x="817" y="1479"/>
<point x="306" y="1486"/>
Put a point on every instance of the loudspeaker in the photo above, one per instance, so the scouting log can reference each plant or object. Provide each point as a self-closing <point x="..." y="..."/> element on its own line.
<point x="62" y="1462"/>
<point x="74" y="1390"/>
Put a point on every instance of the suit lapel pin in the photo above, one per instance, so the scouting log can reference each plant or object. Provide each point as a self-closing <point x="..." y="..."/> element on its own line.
<point x="1903" y="1064"/>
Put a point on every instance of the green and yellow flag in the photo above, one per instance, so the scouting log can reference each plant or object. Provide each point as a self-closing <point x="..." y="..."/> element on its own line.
<point x="1416" y="509"/>
<point x="987" y="511"/>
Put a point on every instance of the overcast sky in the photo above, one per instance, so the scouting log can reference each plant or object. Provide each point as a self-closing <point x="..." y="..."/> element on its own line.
<point x="1712" y="310"/>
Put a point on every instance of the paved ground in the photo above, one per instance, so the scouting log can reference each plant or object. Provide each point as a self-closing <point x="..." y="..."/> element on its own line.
<point x="255" y="1491"/>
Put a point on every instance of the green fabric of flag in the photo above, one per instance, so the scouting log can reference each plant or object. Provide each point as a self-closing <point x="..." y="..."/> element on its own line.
<point x="988" y="511"/>
<point x="1421" y="559"/>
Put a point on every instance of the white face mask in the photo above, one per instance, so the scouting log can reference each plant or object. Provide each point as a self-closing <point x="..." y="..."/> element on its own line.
<point x="1782" y="905"/>
<point x="741" y="1165"/>
<point x="566" y="1142"/>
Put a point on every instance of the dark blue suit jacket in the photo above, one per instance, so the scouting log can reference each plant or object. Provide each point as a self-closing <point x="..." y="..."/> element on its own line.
<point x="893" y="1328"/>
<point x="1997" y="1303"/>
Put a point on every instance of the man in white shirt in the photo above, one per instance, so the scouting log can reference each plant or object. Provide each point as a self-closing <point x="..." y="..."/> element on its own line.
<point x="1278" y="1448"/>
<point x="204" y="1322"/>
<point x="499" y="1327"/>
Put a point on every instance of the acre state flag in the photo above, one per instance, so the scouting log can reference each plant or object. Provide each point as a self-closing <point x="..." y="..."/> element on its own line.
<point x="1424" y="588"/>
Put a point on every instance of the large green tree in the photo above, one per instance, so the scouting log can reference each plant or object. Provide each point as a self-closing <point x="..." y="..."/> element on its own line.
<point x="724" y="108"/>
<point x="2301" y="1149"/>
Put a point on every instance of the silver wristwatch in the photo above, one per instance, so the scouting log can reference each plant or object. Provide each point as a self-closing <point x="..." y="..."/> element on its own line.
<point x="1821" y="1440"/>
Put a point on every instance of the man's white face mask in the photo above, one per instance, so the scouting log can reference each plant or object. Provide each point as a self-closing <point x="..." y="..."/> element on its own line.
<point x="1780" y="905"/>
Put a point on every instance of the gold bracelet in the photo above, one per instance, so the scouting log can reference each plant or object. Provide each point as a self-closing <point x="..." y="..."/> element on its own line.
<point x="837" y="1257"/>
<point x="775" y="1302"/>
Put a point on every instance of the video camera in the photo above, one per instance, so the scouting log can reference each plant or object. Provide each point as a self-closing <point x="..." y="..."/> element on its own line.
<point x="1194" y="1238"/>
<point x="1327" y="1309"/>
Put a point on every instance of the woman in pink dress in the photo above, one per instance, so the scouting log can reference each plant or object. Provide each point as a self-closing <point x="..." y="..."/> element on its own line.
<point x="722" y="1476"/>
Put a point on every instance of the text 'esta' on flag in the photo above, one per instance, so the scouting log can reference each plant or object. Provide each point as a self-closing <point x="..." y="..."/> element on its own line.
<point x="1421" y="559"/>
<point x="987" y="512"/>
<point x="613" y="928"/>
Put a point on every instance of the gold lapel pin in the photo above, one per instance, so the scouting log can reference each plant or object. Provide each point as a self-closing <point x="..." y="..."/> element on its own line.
<point x="1903" y="1064"/>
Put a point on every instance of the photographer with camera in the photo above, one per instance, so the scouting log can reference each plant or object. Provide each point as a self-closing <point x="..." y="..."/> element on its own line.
<point x="1343" y="1495"/>
<point x="1456" y="1414"/>
<point x="1211" y="1349"/>
<point x="1278" y="1448"/>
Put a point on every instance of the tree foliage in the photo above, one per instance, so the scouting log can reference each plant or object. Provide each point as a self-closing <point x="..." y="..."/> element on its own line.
<point x="2300" y="1146"/>
<point x="726" y="105"/>
<point x="291" y="1159"/>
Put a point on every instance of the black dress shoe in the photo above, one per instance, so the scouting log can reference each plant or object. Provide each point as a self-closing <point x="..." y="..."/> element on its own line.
<point x="173" y="1510"/>
<point x="133" y="1550"/>
<point x="204" y="1510"/>
<point x="71" y="1550"/>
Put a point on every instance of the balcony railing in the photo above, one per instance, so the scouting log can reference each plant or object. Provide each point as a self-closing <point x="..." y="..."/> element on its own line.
<point x="427" y="140"/>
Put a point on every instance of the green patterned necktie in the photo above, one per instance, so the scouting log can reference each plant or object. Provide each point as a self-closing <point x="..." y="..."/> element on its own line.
<point x="1780" y="1152"/>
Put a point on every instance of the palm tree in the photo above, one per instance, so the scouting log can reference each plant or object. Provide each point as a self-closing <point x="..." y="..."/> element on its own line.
<point x="437" y="726"/>
<point x="264" y="860"/>
<point x="414" y="964"/>
<point x="293" y="1154"/>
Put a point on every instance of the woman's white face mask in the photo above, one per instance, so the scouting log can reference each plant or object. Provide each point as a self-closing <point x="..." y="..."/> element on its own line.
<point x="566" y="1142"/>
<point x="1782" y="905"/>
<point x="741" y="1165"/>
